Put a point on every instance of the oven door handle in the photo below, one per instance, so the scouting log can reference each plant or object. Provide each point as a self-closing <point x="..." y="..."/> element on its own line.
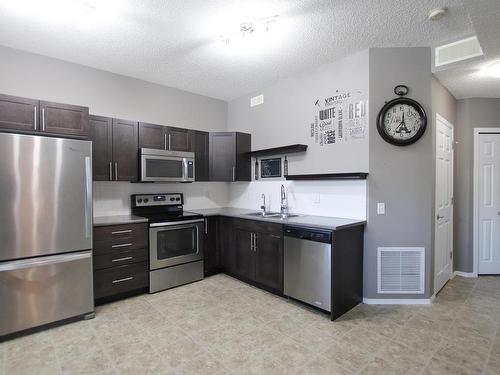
<point x="175" y="223"/>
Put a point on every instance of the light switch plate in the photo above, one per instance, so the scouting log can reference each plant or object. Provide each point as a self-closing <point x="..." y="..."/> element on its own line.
<point x="380" y="208"/>
<point x="257" y="100"/>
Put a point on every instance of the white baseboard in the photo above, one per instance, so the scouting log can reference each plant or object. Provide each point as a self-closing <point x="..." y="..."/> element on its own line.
<point x="398" y="301"/>
<point x="464" y="274"/>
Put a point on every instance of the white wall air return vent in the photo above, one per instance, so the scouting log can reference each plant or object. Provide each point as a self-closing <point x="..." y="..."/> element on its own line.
<point x="457" y="51"/>
<point x="401" y="270"/>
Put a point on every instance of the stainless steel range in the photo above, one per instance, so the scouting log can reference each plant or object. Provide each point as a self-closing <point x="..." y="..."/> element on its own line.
<point x="175" y="240"/>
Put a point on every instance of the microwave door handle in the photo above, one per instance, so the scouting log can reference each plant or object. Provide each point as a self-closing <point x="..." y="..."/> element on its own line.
<point x="185" y="169"/>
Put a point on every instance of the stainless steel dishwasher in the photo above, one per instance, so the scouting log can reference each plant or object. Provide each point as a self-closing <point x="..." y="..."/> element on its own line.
<point x="307" y="264"/>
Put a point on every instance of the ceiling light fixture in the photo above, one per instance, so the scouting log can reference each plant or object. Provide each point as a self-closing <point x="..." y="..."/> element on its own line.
<point x="437" y="14"/>
<point x="492" y="70"/>
<point x="247" y="29"/>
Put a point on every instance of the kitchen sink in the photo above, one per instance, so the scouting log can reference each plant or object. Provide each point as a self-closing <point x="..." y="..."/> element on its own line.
<point x="270" y="214"/>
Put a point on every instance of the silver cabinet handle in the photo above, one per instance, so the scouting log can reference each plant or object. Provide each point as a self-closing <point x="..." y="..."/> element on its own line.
<point x="255" y="242"/>
<point x="275" y="236"/>
<point x="34" y="118"/>
<point x="206" y="225"/>
<point x="251" y="241"/>
<point x="43" y="119"/>
<point x="122" y="231"/>
<point x="116" y="171"/>
<point x="234" y="174"/>
<point x="165" y="141"/>
<point x="170" y="141"/>
<point x="110" y="171"/>
<point x="121" y="259"/>
<point x="122" y="245"/>
<point x="122" y="280"/>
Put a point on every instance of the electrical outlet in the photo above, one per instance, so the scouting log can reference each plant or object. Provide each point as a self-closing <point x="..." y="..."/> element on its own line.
<point x="380" y="208"/>
<point x="317" y="198"/>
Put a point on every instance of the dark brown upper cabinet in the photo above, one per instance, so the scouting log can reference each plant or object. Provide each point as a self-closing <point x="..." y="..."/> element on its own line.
<point x="164" y="137"/>
<point x="64" y="119"/>
<point x="115" y="152"/>
<point x="201" y="155"/>
<point x="100" y="133"/>
<point x="18" y="113"/>
<point x="152" y="136"/>
<point x="229" y="159"/>
<point x="178" y="139"/>
<point x="125" y="156"/>
<point x="34" y="116"/>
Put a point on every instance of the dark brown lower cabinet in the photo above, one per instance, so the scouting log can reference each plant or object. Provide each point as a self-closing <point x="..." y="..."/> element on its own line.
<point x="211" y="255"/>
<point x="253" y="251"/>
<point x="269" y="260"/>
<point x="120" y="259"/>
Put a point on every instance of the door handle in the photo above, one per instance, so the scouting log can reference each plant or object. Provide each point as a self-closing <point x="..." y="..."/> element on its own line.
<point x="110" y="171"/>
<point x="43" y="119"/>
<point x="34" y="118"/>
<point x="169" y="141"/>
<point x="255" y="242"/>
<point x="165" y="141"/>
<point x="88" y="196"/>
<point x="121" y="259"/>
<point x="116" y="171"/>
<point x="234" y="174"/>
<point x="122" y="231"/>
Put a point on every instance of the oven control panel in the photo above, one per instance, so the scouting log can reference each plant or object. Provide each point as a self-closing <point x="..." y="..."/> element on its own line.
<point x="163" y="199"/>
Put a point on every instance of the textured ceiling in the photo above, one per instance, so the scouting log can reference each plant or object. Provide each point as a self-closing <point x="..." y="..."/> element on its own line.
<point x="467" y="80"/>
<point x="176" y="42"/>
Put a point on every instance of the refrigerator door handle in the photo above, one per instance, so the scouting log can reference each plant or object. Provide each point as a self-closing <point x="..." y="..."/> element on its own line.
<point x="88" y="196"/>
<point x="45" y="261"/>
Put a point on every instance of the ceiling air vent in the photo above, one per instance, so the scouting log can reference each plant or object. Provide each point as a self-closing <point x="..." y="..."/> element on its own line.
<point x="401" y="270"/>
<point x="460" y="50"/>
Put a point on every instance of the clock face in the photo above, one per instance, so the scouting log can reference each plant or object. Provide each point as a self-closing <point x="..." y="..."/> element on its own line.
<point x="402" y="121"/>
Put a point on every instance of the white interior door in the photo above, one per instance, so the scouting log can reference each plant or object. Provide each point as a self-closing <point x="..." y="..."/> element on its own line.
<point x="489" y="204"/>
<point x="443" y="240"/>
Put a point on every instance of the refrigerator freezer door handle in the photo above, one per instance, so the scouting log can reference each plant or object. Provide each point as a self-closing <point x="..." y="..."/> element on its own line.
<point x="88" y="196"/>
<point x="45" y="261"/>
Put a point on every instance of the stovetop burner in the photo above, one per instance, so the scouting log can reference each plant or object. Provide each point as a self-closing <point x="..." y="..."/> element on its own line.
<point x="162" y="207"/>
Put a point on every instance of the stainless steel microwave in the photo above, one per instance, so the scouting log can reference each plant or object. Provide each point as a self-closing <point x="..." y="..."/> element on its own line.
<point x="166" y="166"/>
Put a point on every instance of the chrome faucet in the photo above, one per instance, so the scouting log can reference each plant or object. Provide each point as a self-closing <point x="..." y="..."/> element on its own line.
<point x="263" y="206"/>
<point x="283" y="206"/>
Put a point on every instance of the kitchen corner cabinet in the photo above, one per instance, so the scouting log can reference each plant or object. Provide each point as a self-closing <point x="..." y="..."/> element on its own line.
<point x="114" y="144"/>
<point x="164" y="137"/>
<point x="253" y="251"/>
<point x="42" y="117"/>
<point x="229" y="158"/>
<point x="201" y="155"/>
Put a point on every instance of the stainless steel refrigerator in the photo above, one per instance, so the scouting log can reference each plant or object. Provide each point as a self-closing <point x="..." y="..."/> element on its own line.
<point x="45" y="231"/>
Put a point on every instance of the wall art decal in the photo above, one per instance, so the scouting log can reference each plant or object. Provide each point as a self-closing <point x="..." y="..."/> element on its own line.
<point x="340" y="118"/>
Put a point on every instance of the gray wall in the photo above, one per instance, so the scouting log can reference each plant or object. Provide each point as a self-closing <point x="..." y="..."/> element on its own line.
<point x="107" y="94"/>
<point x="402" y="177"/>
<point x="289" y="108"/>
<point x="471" y="113"/>
<point x="444" y="104"/>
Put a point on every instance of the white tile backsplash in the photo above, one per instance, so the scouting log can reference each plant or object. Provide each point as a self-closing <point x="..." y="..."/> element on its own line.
<point x="325" y="198"/>
<point x="113" y="198"/>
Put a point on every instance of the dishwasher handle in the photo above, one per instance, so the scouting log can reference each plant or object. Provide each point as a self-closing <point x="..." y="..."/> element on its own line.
<point x="309" y="234"/>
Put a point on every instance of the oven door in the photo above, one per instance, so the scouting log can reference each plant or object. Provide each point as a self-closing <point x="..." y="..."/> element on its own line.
<point x="171" y="244"/>
<point x="166" y="168"/>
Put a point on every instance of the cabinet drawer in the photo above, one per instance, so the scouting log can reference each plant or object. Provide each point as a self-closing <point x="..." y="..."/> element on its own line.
<point x="119" y="232"/>
<point x="115" y="247"/>
<point x="257" y="226"/>
<point x="120" y="279"/>
<point x="119" y="258"/>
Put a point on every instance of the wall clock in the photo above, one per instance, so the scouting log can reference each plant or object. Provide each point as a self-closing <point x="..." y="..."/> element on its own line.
<point x="401" y="121"/>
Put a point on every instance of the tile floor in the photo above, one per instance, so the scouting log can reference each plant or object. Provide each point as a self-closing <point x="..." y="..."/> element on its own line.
<point x="222" y="326"/>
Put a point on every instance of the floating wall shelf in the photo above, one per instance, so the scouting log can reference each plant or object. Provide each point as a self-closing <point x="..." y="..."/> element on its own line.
<point x="279" y="150"/>
<point x="328" y="176"/>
